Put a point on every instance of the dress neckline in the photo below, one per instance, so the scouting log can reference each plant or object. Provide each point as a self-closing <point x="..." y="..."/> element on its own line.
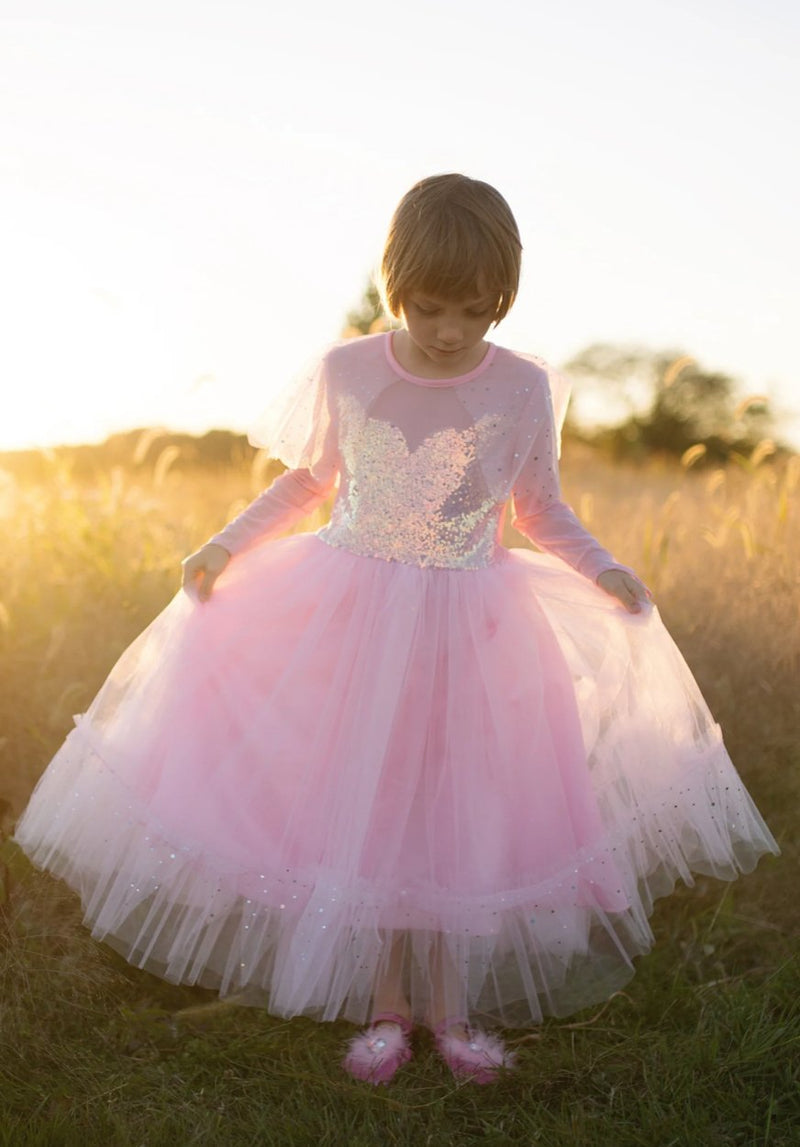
<point x="491" y="349"/>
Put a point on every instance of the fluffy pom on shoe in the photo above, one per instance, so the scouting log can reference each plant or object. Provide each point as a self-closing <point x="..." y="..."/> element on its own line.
<point x="376" y="1053"/>
<point x="476" y="1056"/>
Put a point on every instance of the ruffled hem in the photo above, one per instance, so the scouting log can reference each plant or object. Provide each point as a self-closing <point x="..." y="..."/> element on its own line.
<point x="312" y="942"/>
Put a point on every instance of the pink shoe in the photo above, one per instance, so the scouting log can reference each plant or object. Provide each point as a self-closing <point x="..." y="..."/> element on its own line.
<point x="478" y="1056"/>
<point x="376" y="1053"/>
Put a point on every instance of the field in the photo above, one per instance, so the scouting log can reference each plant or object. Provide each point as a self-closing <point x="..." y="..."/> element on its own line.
<point x="701" y="1050"/>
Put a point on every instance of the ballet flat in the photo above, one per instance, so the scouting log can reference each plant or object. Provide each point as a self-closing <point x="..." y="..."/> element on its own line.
<point x="376" y="1053"/>
<point x="479" y="1058"/>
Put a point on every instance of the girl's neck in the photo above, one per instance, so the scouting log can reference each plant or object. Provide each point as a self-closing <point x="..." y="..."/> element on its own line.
<point x="415" y="362"/>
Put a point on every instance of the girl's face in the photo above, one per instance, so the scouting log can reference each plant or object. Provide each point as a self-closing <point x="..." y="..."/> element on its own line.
<point x="447" y="334"/>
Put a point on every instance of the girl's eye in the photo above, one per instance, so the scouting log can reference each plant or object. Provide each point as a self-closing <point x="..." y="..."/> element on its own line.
<point x="426" y="310"/>
<point x="479" y="314"/>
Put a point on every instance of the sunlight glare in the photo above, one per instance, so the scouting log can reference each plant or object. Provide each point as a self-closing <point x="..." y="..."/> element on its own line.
<point x="79" y="358"/>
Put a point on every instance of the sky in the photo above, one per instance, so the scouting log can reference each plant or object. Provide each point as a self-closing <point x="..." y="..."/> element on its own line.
<point x="193" y="195"/>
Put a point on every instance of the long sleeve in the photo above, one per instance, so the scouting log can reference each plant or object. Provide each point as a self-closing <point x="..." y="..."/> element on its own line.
<point x="541" y="516"/>
<point x="291" y="497"/>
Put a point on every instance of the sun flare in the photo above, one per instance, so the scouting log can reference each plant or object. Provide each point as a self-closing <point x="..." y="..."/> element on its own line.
<point x="78" y="357"/>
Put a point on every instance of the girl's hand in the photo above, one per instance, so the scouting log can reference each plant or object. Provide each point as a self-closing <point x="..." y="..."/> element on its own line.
<point x="626" y="588"/>
<point x="201" y="570"/>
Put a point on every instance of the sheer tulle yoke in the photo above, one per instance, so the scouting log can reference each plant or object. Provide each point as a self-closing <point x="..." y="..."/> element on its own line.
<point x="394" y="740"/>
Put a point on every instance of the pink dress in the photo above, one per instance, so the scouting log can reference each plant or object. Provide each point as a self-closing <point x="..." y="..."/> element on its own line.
<point x="394" y="738"/>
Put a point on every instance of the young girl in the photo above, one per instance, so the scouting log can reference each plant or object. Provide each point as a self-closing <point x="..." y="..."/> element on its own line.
<point x="392" y="771"/>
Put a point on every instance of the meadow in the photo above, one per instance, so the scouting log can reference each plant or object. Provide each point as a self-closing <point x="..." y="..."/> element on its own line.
<point x="702" y="1049"/>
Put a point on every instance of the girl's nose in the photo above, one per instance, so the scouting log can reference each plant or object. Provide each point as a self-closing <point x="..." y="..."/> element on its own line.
<point x="449" y="331"/>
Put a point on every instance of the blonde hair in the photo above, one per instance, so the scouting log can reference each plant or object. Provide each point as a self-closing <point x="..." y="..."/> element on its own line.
<point x="451" y="237"/>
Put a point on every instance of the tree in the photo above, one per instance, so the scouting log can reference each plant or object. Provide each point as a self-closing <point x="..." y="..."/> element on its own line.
<point x="369" y="317"/>
<point x="667" y="402"/>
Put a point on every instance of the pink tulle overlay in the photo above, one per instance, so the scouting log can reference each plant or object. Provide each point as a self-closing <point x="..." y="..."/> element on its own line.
<point x="339" y="758"/>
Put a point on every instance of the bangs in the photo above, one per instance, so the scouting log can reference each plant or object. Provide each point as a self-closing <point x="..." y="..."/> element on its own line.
<point x="460" y="265"/>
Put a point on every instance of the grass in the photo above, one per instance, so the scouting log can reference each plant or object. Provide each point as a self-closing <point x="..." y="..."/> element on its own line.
<point x="703" y="1047"/>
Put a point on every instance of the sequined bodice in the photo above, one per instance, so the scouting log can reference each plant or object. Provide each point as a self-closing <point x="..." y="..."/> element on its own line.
<point x="427" y="506"/>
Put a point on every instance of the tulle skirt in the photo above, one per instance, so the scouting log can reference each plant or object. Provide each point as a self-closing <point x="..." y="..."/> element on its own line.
<point x="341" y="767"/>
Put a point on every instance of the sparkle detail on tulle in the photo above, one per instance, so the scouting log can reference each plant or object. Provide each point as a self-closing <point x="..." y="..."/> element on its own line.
<point x="430" y="506"/>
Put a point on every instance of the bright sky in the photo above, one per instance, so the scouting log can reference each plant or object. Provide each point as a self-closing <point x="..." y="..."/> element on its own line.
<point x="193" y="194"/>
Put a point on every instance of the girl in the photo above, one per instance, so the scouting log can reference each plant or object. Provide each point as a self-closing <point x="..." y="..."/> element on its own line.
<point x="392" y="771"/>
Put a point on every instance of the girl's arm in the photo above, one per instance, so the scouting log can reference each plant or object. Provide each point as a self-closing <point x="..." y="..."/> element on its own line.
<point x="299" y="430"/>
<point x="541" y="516"/>
<point x="292" y="496"/>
